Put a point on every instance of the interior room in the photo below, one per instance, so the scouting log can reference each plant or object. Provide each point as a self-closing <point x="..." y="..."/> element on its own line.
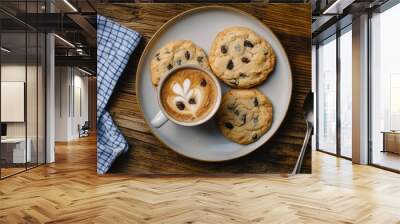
<point x="49" y="128"/>
<point x="48" y="80"/>
<point x="75" y="103"/>
<point x="335" y="81"/>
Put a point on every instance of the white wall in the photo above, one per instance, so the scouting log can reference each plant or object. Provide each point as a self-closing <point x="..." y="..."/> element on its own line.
<point x="80" y="110"/>
<point x="33" y="126"/>
<point x="12" y="101"/>
<point x="61" y="104"/>
<point x="70" y="83"/>
<point x="16" y="72"/>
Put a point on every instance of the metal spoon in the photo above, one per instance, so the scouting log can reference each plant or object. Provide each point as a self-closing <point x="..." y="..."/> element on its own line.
<point x="308" y="110"/>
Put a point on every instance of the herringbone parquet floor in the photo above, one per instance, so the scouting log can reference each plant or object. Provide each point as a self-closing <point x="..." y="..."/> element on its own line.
<point x="70" y="191"/>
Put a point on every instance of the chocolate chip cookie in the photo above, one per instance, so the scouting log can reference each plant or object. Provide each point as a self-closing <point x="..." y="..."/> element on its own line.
<point x="244" y="115"/>
<point x="174" y="54"/>
<point x="241" y="58"/>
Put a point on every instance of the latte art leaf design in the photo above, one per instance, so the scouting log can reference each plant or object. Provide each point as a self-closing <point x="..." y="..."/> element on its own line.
<point x="190" y="97"/>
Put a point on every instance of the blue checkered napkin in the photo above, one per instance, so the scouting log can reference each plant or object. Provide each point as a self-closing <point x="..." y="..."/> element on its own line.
<point x="115" y="44"/>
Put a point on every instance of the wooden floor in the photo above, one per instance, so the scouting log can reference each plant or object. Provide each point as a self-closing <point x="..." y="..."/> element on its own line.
<point x="10" y="171"/>
<point x="387" y="159"/>
<point x="70" y="191"/>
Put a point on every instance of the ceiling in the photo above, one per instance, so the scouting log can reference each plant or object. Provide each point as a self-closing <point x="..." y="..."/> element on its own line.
<point x="332" y="15"/>
<point x="39" y="6"/>
<point x="16" y="43"/>
<point x="74" y="21"/>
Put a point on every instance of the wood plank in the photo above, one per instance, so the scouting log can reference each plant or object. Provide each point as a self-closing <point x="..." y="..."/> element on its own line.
<point x="70" y="191"/>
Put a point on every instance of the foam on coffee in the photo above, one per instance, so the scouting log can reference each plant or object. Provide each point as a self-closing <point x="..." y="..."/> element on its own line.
<point x="188" y="95"/>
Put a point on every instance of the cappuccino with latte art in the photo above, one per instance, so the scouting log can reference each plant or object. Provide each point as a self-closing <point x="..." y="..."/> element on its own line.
<point x="189" y="95"/>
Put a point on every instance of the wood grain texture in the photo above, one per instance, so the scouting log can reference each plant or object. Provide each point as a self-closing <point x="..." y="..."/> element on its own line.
<point x="70" y="191"/>
<point x="292" y="25"/>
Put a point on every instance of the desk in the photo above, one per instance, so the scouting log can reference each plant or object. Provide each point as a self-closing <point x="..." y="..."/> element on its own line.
<point x="391" y="141"/>
<point x="15" y="148"/>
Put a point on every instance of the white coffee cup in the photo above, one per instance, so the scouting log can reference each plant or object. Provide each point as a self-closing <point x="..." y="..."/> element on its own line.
<point x="162" y="116"/>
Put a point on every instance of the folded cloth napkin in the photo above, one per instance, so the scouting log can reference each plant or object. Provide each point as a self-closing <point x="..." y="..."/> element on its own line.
<point x="115" y="44"/>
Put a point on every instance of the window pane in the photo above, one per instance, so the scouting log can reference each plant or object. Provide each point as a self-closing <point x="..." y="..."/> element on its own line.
<point x="327" y="96"/>
<point x="345" y="94"/>
<point x="385" y="78"/>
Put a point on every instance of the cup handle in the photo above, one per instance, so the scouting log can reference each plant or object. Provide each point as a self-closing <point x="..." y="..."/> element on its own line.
<point x="158" y="120"/>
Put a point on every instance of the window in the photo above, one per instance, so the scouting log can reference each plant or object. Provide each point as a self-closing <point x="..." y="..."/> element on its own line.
<point x="394" y="101"/>
<point x="334" y="115"/>
<point x="346" y="92"/>
<point x="385" y="89"/>
<point x="326" y="137"/>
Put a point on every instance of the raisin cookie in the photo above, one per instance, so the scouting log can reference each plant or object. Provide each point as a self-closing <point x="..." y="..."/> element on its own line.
<point x="244" y="115"/>
<point x="241" y="58"/>
<point x="176" y="53"/>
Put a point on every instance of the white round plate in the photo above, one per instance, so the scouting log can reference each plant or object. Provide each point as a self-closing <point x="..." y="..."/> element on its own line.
<point x="201" y="25"/>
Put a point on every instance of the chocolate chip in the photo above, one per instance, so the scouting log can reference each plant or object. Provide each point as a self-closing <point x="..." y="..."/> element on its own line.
<point x="242" y="75"/>
<point x="245" y="60"/>
<point x="256" y="102"/>
<point x="192" y="101"/>
<point x="248" y="44"/>
<point x="158" y="56"/>
<point x="236" y="112"/>
<point x="170" y="66"/>
<point x="266" y="53"/>
<point x="200" y="59"/>
<point x="243" y="119"/>
<point x="224" y="50"/>
<point x="254" y="137"/>
<point x="187" y="55"/>
<point x="179" y="62"/>
<point x="228" y="125"/>
<point x="230" y="65"/>
<point x="203" y="82"/>
<point x="180" y="105"/>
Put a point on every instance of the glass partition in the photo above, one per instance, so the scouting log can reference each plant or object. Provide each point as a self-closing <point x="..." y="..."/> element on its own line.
<point x="13" y="95"/>
<point x="22" y="101"/>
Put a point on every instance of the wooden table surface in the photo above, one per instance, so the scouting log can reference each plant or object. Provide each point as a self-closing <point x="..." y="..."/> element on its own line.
<point x="147" y="155"/>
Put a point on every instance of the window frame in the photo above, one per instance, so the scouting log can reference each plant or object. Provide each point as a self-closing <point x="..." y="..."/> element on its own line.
<point x="337" y="35"/>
